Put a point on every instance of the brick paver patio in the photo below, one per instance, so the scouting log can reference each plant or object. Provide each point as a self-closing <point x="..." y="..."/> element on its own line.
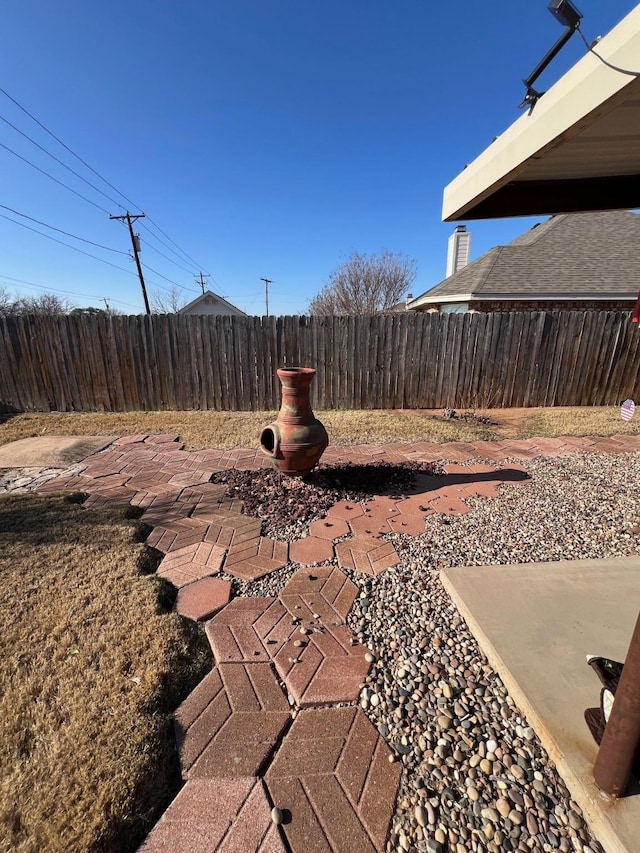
<point x="326" y="768"/>
<point x="333" y="773"/>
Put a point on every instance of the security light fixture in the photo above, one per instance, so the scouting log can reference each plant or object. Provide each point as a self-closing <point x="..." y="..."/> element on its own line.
<point x="567" y="14"/>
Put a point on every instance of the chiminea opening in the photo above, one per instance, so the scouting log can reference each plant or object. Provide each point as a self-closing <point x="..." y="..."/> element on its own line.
<point x="267" y="440"/>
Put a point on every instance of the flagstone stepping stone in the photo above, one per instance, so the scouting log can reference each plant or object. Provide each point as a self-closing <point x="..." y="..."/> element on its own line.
<point x="225" y="815"/>
<point x="310" y="550"/>
<point x="330" y="528"/>
<point x="256" y="557"/>
<point x="186" y="565"/>
<point x="203" y="598"/>
<point x="324" y="595"/>
<point x="332" y="774"/>
<point x="228" y="726"/>
<point x="366" y="554"/>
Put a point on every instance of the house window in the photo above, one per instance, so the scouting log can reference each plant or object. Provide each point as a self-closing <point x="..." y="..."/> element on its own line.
<point x="454" y="308"/>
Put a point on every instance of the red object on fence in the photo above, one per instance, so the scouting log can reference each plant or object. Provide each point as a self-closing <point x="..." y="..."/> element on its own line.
<point x="636" y="311"/>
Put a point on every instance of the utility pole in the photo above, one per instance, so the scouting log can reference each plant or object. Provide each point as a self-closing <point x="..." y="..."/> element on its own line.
<point x="267" y="282"/>
<point x="106" y="304"/>
<point x="201" y="279"/>
<point x="135" y="242"/>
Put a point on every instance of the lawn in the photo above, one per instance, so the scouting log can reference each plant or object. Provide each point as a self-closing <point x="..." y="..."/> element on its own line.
<point x="227" y="430"/>
<point x="94" y="661"/>
<point x="93" y="664"/>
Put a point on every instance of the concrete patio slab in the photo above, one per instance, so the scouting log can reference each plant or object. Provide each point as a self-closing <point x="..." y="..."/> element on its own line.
<point x="55" y="451"/>
<point x="536" y="623"/>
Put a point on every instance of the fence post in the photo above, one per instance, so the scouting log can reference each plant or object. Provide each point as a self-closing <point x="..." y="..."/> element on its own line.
<point x="621" y="737"/>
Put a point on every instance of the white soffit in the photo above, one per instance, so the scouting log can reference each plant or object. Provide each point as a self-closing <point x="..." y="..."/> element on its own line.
<point x="578" y="150"/>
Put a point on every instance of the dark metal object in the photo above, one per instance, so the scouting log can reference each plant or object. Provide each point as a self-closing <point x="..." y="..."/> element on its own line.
<point x="621" y="738"/>
<point x="568" y="15"/>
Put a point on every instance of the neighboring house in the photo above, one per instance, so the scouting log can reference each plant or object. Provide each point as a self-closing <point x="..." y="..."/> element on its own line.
<point x="571" y="262"/>
<point x="210" y="303"/>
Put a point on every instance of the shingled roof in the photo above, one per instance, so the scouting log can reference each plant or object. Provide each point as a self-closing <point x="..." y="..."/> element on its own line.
<point x="570" y="256"/>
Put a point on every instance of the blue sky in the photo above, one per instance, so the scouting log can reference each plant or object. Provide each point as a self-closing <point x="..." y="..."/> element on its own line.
<point x="266" y="138"/>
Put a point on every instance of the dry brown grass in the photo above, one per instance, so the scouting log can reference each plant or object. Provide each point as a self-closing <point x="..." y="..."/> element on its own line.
<point x="92" y="666"/>
<point x="227" y="430"/>
<point x="601" y="420"/>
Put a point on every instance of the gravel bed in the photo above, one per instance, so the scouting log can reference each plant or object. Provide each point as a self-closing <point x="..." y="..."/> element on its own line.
<point x="476" y="777"/>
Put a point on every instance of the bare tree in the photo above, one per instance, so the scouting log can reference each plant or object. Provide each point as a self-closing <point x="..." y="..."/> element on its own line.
<point x="167" y="302"/>
<point x="46" y="305"/>
<point x="365" y="284"/>
<point x="7" y="304"/>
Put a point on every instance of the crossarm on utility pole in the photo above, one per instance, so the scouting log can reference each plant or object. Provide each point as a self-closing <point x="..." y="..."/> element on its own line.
<point x="129" y="220"/>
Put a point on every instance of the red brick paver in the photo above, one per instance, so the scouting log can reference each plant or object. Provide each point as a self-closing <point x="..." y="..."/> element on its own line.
<point x="256" y="557"/>
<point x="246" y="628"/>
<point x="346" y="510"/>
<point x="321" y="596"/>
<point x="173" y="535"/>
<point x="225" y="815"/>
<point x="330" y="528"/>
<point x="229" y="725"/>
<point x="188" y="564"/>
<point x="333" y="775"/>
<point x="319" y="664"/>
<point x="325" y="669"/>
<point x="201" y="599"/>
<point x="310" y="550"/>
<point x="366" y="554"/>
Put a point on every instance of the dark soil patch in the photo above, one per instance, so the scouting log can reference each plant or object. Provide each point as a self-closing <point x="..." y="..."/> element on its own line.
<point x="286" y="505"/>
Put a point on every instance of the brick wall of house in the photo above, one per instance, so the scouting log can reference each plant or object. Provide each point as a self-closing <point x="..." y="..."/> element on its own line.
<point x="569" y="305"/>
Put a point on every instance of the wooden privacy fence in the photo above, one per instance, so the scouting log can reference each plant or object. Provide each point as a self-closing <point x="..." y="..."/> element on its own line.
<point x="100" y="363"/>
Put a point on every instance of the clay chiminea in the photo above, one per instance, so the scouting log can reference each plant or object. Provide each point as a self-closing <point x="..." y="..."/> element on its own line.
<point x="296" y="440"/>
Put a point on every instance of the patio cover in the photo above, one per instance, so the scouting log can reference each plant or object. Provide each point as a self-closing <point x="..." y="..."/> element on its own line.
<point x="579" y="149"/>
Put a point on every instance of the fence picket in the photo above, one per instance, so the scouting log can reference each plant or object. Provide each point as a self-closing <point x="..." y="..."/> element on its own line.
<point x="79" y="363"/>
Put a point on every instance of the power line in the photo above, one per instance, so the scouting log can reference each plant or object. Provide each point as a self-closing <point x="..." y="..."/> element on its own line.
<point x="70" y="150"/>
<point x="188" y="257"/>
<point x="60" y="231"/>
<point x="170" y="280"/>
<point x="66" y="292"/>
<point x="62" y="184"/>
<point x="61" y="162"/>
<point x="62" y="243"/>
<point x="166" y="257"/>
<point x="95" y="172"/>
